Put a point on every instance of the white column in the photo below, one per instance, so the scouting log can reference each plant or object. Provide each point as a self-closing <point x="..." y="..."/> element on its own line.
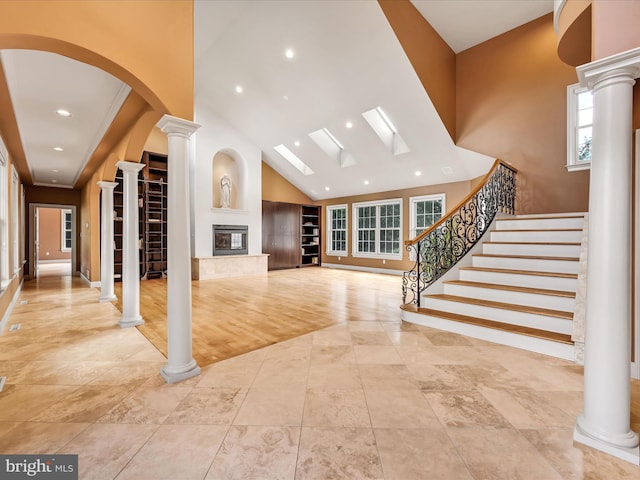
<point x="130" y="246"/>
<point x="180" y="363"/>
<point x="106" y="242"/>
<point x="605" y="422"/>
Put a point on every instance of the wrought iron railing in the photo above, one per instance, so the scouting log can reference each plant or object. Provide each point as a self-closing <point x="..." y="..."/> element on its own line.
<point x="442" y="245"/>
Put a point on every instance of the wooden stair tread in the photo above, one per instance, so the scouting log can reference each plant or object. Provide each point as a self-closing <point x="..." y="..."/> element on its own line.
<point x="541" y="217"/>
<point x="481" y="322"/>
<point x="505" y="306"/>
<point x="532" y="257"/>
<point x="522" y="272"/>
<point x="512" y="288"/>
<point x="532" y="243"/>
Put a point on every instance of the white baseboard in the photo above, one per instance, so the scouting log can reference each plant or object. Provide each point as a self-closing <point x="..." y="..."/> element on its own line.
<point x="61" y="260"/>
<point x="89" y="282"/>
<point x="7" y="313"/>
<point x="363" y="269"/>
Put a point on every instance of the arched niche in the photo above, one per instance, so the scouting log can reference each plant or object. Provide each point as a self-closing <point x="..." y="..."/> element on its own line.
<point x="229" y="162"/>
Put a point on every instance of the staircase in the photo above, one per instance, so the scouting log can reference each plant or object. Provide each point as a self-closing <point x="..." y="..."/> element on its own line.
<point x="519" y="291"/>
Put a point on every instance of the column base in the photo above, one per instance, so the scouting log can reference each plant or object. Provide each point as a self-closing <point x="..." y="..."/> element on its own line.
<point x="112" y="298"/>
<point x="130" y="322"/>
<point x="175" y="375"/>
<point x="625" y="446"/>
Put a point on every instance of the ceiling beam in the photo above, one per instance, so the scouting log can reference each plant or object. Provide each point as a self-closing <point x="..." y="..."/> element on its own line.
<point x="10" y="133"/>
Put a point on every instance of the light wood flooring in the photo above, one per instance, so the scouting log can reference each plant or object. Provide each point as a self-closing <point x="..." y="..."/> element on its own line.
<point x="237" y="315"/>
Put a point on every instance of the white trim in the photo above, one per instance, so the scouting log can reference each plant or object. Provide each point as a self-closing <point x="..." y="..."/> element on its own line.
<point x="558" y="5"/>
<point x="7" y="313"/>
<point x="573" y="165"/>
<point x="88" y="282"/>
<point x="413" y="211"/>
<point x="63" y="229"/>
<point x="590" y="73"/>
<point x="329" y="251"/>
<point x="354" y="229"/>
<point x="33" y="207"/>
<point x="363" y="269"/>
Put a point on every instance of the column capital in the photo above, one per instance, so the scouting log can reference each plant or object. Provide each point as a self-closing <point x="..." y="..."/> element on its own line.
<point x="129" y="166"/>
<point x="625" y="65"/>
<point x="177" y="126"/>
<point x="107" y="185"/>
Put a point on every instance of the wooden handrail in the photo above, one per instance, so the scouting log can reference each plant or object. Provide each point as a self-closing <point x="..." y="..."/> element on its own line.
<point x="484" y="181"/>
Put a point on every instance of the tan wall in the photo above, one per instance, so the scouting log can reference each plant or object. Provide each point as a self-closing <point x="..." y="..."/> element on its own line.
<point x="455" y="193"/>
<point x="276" y="188"/>
<point x="52" y="196"/>
<point x="431" y="57"/>
<point x="614" y="27"/>
<point x="50" y="221"/>
<point x="511" y="98"/>
<point x="574" y="32"/>
<point x="158" y="142"/>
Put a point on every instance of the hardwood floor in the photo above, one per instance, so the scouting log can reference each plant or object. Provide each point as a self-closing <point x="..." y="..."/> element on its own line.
<point x="237" y="315"/>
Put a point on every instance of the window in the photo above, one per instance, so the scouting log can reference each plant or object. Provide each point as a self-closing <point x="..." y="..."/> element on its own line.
<point x="424" y="212"/>
<point x="4" y="224"/>
<point x="337" y="230"/>
<point x="377" y="229"/>
<point x="67" y="231"/>
<point x="15" y="228"/>
<point x="579" y="127"/>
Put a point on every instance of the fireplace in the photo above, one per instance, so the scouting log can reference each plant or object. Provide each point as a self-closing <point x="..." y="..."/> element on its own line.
<point x="230" y="240"/>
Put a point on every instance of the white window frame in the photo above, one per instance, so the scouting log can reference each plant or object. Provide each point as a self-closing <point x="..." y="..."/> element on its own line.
<point x="4" y="219"/>
<point x="413" y="210"/>
<point x="15" y="223"/>
<point x="330" y="250"/>
<point x="573" y="165"/>
<point x="354" y="230"/>
<point x="63" y="229"/>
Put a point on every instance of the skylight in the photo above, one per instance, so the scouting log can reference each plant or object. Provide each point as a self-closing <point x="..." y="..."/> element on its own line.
<point x="330" y="145"/>
<point x="293" y="159"/>
<point x="382" y="125"/>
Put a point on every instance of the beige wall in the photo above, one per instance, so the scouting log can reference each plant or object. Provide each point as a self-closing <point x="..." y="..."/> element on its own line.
<point x="276" y="188"/>
<point x="431" y="57"/>
<point x="614" y="27"/>
<point x="50" y="225"/>
<point x="511" y="97"/>
<point x="455" y="193"/>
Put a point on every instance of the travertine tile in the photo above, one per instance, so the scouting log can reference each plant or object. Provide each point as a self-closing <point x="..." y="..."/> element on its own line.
<point x="34" y="437"/>
<point x="336" y="408"/>
<point x="104" y="449"/>
<point x="130" y="372"/>
<point x="446" y="339"/>
<point x="208" y="406"/>
<point x="407" y="338"/>
<point x="272" y="406"/>
<point x="465" y="408"/>
<point x="379" y="355"/>
<point x="370" y="338"/>
<point x="500" y="453"/>
<point x="419" y="454"/>
<point x="439" y="377"/>
<point x="400" y="409"/>
<point x="23" y="402"/>
<point x="332" y="354"/>
<point x="182" y="452"/>
<point x="257" y="452"/>
<point x="387" y="377"/>
<point x="338" y="453"/>
<point x="332" y="337"/>
<point x="340" y="376"/>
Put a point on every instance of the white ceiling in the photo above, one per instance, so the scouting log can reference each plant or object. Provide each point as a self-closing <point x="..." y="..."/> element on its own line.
<point x="347" y="61"/>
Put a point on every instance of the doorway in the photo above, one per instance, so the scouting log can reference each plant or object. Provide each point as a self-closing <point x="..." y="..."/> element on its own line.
<point x="52" y="243"/>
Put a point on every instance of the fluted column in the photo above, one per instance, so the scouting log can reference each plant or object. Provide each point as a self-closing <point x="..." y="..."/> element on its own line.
<point x="180" y="363"/>
<point x="605" y="422"/>
<point x="130" y="246"/>
<point x="106" y="242"/>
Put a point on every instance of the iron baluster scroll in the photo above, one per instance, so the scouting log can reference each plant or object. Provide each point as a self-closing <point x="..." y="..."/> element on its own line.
<point x="440" y="247"/>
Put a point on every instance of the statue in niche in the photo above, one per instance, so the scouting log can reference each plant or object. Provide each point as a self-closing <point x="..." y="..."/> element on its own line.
<point x="225" y="191"/>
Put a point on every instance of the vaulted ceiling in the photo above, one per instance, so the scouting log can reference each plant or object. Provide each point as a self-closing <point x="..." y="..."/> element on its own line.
<point x="346" y="61"/>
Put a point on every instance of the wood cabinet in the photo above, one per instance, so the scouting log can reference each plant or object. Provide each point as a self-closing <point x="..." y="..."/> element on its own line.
<point x="152" y="218"/>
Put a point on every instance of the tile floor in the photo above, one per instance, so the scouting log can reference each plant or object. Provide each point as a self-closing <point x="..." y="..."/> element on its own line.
<point x="360" y="400"/>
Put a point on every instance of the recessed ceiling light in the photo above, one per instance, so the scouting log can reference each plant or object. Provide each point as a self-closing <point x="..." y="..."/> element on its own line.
<point x="58" y="149"/>
<point x="366" y="182"/>
<point x="55" y="170"/>
<point x="327" y="188"/>
<point x="54" y="181"/>
<point x="239" y="89"/>
<point x="289" y="53"/>
<point x="349" y="125"/>
<point x="296" y="143"/>
<point x="284" y="97"/>
<point x="63" y="113"/>
<point x="418" y="173"/>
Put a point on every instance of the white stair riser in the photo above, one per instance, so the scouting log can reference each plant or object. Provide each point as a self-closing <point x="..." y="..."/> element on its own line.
<point x="551" y="236"/>
<point x="520" y="280"/>
<point x="541" y="322"/>
<point x="531" y="264"/>
<point x="571" y="251"/>
<point x="540" y="224"/>
<point x="552" y="302"/>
